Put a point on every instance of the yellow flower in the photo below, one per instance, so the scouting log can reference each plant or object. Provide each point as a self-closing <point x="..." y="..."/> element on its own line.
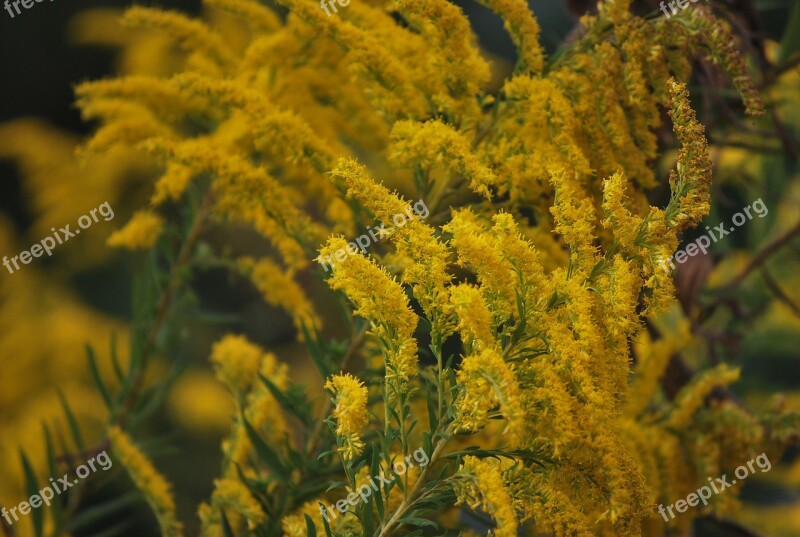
<point x="238" y="502"/>
<point x="154" y="487"/>
<point x="434" y="142"/>
<point x="692" y="397"/>
<point x="280" y="289"/>
<point x="524" y="30"/>
<point x="474" y="318"/>
<point x="381" y="300"/>
<point x="478" y="249"/>
<point x="140" y="233"/>
<point x="486" y="489"/>
<point x="489" y="382"/>
<point x="691" y="180"/>
<point x="237" y="362"/>
<point x="350" y="412"/>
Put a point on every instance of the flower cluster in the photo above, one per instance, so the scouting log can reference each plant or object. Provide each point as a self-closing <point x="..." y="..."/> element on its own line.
<point x="518" y="334"/>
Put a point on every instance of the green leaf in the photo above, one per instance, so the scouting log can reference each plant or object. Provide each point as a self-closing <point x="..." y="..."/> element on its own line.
<point x="87" y="518"/>
<point x="73" y="423"/>
<point x="51" y="453"/>
<point x="31" y="488"/>
<point x="116" y="529"/>
<point x="227" y="531"/>
<point x="98" y="380"/>
<point x="790" y="42"/>
<point x="266" y="453"/>
<point x="115" y="358"/>
<point x="311" y="529"/>
<point x="325" y="524"/>
<point x="414" y="521"/>
<point x="318" y="355"/>
<point x="293" y="401"/>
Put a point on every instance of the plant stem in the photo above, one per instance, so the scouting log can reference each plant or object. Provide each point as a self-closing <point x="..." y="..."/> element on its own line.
<point x="415" y="491"/>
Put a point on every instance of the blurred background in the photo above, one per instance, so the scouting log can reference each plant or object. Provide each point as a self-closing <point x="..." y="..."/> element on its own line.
<point x="50" y="308"/>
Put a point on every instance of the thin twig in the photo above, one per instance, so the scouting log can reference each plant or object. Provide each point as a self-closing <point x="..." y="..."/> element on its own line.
<point x="762" y="256"/>
<point x="780" y="293"/>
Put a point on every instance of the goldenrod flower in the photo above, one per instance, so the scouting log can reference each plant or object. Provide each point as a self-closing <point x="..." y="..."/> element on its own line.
<point x="238" y="502"/>
<point x="489" y="382"/>
<point x="692" y="179"/>
<point x="474" y="318"/>
<point x="154" y="487"/>
<point x="434" y="142"/>
<point x="237" y="362"/>
<point x="692" y="397"/>
<point x="350" y="412"/>
<point x="280" y="289"/>
<point x="485" y="488"/>
<point x="381" y="300"/>
<point x="140" y="233"/>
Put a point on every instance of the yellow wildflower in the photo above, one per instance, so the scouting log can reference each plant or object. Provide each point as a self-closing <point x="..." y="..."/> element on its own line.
<point x="381" y="300"/>
<point x="140" y="233"/>
<point x="154" y="487"/>
<point x="237" y="362"/>
<point x="474" y="317"/>
<point x="486" y="489"/>
<point x="238" y="502"/>
<point x="692" y="397"/>
<point x="280" y="289"/>
<point x="434" y="142"/>
<point x="489" y="382"/>
<point x="524" y="30"/>
<point x="350" y="412"/>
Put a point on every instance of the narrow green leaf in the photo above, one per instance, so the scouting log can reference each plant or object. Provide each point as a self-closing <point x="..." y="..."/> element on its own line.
<point x="294" y="402"/>
<point x="115" y="357"/>
<point x="91" y="516"/>
<point x="790" y="42"/>
<point x="51" y="453"/>
<point x="414" y="521"/>
<point x="266" y="453"/>
<point x="227" y="531"/>
<point x="325" y="524"/>
<point x="318" y="356"/>
<point x="73" y="423"/>
<point x="98" y="380"/>
<point x="31" y="489"/>
<point x="311" y="529"/>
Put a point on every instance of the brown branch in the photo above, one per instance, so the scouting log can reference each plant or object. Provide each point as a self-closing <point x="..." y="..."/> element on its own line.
<point x="184" y="256"/>
<point x="780" y="293"/>
<point x="764" y="254"/>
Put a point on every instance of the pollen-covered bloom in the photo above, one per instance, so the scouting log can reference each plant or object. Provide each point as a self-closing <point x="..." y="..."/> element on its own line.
<point x="140" y="233"/>
<point x="350" y="412"/>
<point x="482" y="486"/>
<point x="489" y="382"/>
<point x="380" y="299"/>
<point x="237" y="362"/>
<point x="155" y="488"/>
